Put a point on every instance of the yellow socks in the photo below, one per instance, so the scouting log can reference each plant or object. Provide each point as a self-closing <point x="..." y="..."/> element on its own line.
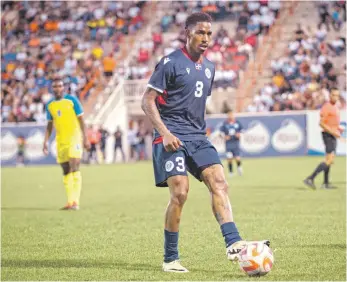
<point x="69" y="183"/>
<point x="77" y="186"/>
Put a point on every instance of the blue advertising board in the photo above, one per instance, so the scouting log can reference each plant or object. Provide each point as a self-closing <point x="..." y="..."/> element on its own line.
<point x="33" y="136"/>
<point x="265" y="135"/>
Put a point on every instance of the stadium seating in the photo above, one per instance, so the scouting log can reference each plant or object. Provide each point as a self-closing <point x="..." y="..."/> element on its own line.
<point x="79" y="40"/>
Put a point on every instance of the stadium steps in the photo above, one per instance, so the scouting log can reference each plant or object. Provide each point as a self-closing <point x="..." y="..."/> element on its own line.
<point x="125" y="47"/>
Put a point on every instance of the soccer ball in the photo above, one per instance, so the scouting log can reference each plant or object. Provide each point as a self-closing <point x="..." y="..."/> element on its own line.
<point x="256" y="259"/>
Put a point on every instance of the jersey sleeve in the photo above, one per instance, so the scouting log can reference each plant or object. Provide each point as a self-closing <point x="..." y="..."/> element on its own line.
<point x="162" y="75"/>
<point x="222" y="129"/>
<point x="240" y="127"/>
<point x="77" y="105"/>
<point x="48" y="113"/>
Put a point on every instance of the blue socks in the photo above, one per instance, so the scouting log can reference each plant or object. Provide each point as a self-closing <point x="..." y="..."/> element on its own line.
<point x="230" y="233"/>
<point x="170" y="246"/>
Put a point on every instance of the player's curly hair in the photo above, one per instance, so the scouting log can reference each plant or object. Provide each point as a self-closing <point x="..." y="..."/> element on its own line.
<point x="195" y="18"/>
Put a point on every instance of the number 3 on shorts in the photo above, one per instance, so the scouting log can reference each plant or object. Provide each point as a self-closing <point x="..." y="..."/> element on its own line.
<point x="180" y="164"/>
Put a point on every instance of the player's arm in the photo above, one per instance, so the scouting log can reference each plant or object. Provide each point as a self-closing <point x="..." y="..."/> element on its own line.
<point x="158" y="83"/>
<point x="84" y="132"/>
<point x="48" y="134"/>
<point x="79" y="113"/>
<point x="324" y="125"/>
<point x="171" y="142"/>
<point x="238" y="133"/>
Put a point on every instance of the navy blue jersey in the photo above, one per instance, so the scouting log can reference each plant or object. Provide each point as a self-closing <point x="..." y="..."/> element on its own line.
<point x="184" y="85"/>
<point x="230" y="129"/>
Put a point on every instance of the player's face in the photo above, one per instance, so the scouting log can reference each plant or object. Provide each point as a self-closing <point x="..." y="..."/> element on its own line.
<point x="231" y="116"/>
<point x="199" y="37"/>
<point x="58" y="89"/>
<point x="334" y="96"/>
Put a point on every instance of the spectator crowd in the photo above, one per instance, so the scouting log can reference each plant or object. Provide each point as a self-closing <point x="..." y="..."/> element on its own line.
<point x="305" y="73"/>
<point x="77" y="40"/>
<point x="229" y="52"/>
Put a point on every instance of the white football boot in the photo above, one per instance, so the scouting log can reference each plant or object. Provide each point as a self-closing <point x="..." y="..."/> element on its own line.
<point x="234" y="249"/>
<point x="174" y="266"/>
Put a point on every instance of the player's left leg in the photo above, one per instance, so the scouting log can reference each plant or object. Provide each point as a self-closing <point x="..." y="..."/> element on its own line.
<point x="208" y="168"/>
<point x="75" y="155"/>
<point x="77" y="181"/>
<point x="68" y="184"/>
<point x="236" y="153"/>
<point x="329" y="160"/>
<point x="330" y="147"/>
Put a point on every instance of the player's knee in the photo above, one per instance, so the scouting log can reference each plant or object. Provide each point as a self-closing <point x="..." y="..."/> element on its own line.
<point x="219" y="185"/>
<point x="180" y="197"/>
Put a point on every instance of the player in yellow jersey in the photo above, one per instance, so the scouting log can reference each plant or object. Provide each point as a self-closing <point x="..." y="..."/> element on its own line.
<point x="65" y="113"/>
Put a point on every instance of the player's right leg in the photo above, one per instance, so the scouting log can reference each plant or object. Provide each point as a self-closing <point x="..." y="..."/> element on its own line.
<point x="229" y="156"/>
<point x="330" y="146"/>
<point x="63" y="160"/>
<point x="179" y="187"/>
<point x="170" y="170"/>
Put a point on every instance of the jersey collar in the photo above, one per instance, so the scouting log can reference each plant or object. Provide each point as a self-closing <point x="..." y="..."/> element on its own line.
<point x="185" y="52"/>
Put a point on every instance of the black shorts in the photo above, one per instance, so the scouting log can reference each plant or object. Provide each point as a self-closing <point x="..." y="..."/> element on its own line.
<point x="108" y="73"/>
<point x="329" y="142"/>
<point x="92" y="147"/>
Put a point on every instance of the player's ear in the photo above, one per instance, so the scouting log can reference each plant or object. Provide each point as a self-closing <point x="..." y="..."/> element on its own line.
<point x="187" y="33"/>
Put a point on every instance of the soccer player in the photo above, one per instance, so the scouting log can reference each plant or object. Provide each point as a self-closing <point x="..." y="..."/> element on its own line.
<point x="65" y="112"/>
<point x="231" y="129"/>
<point x="330" y="124"/>
<point x="175" y="102"/>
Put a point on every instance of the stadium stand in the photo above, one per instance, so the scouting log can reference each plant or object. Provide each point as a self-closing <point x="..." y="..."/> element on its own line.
<point x="79" y="40"/>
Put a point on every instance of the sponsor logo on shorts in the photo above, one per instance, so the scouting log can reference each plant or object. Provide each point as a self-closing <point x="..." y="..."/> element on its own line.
<point x="169" y="165"/>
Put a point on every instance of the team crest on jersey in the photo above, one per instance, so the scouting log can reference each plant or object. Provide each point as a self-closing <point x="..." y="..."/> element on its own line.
<point x="169" y="165"/>
<point x="198" y="66"/>
<point x="166" y="60"/>
<point x="188" y="70"/>
<point x="208" y="73"/>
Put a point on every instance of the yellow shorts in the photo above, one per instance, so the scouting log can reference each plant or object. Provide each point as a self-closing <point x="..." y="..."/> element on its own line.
<point x="65" y="152"/>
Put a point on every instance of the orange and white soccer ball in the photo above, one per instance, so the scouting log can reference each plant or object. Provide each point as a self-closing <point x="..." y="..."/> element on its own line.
<point x="256" y="259"/>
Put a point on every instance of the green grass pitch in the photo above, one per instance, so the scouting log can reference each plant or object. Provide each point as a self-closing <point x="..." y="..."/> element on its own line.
<point x="118" y="233"/>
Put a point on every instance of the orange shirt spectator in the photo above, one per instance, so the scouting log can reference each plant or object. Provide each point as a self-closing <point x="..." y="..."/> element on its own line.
<point x="51" y="25"/>
<point x="278" y="80"/>
<point x="34" y="26"/>
<point x="41" y="65"/>
<point x="109" y="64"/>
<point x="56" y="47"/>
<point x="34" y="42"/>
<point x="11" y="66"/>
<point x="120" y="23"/>
<point x="94" y="136"/>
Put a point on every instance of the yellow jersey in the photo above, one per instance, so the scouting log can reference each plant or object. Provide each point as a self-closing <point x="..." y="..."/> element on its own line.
<point x="64" y="113"/>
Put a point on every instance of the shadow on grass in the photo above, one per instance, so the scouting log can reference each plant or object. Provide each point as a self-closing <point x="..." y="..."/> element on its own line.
<point x="27" y="209"/>
<point x="71" y="263"/>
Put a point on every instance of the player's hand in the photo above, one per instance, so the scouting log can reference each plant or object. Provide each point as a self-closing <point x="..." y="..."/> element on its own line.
<point x="238" y="135"/>
<point x="337" y="134"/>
<point x="86" y="144"/>
<point x="227" y="137"/>
<point x="171" y="142"/>
<point x="45" y="148"/>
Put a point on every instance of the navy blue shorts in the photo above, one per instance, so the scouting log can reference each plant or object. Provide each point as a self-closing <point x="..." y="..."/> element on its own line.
<point x="233" y="151"/>
<point x="193" y="156"/>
